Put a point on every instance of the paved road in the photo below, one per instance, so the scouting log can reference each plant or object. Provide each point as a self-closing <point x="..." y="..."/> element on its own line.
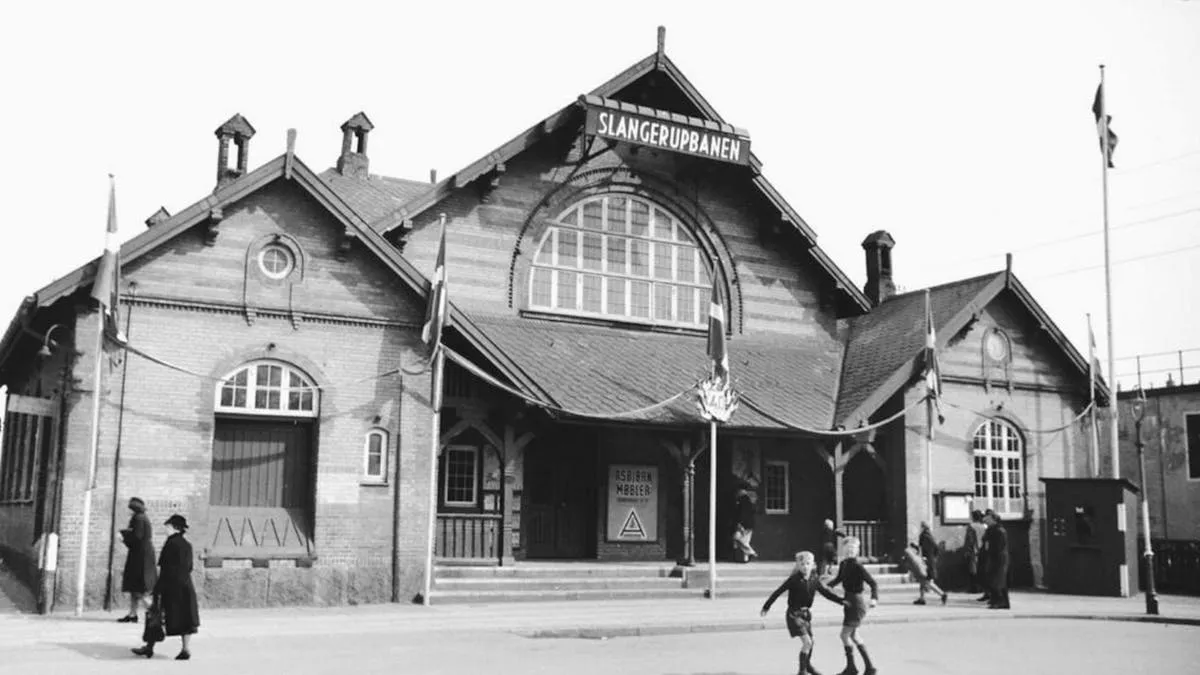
<point x="1026" y="646"/>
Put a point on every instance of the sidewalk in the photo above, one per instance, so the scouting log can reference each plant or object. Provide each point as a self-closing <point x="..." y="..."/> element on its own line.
<point x="604" y="619"/>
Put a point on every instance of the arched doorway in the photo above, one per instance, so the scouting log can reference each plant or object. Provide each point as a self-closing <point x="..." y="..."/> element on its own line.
<point x="261" y="499"/>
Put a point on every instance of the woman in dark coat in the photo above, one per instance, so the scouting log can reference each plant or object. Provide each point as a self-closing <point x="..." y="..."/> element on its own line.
<point x="139" y="575"/>
<point x="995" y="542"/>
<point x="174" y="593"/>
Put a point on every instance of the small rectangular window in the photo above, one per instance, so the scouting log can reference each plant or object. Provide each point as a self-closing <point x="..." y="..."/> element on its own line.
<point x="541" y="287"/>
<point x="616" y="296"/>
<point x="616" y="255"/>
<point x="591" y="292"/>
<point x="775" y="487"/>
<point x="1192" y="424"/>
<point x="461" y="476"/>
<point x="568" y="297"/>
<point x="640" y="219"/>
<point x="617" y="216"/>
<point x="591" y="251"/>
<point x="639" y="302"/>
<point x="375" y="459"/>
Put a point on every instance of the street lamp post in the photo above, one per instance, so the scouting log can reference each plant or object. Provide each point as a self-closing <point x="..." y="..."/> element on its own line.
<point x="1139" y="413"/>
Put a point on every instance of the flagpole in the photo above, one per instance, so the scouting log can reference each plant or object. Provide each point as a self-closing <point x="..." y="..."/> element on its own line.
<point x="436" y="401"/>
<point x="928" y="419"/>
<point x="1095" y="434"/>
<point x="712" y="508"/>
<point x="97" y="392"/>
<point x="433" y="335"/>
<point x="1114" y="448"/>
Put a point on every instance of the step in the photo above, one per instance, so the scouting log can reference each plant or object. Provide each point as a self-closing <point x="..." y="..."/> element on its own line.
<point x="773" y="581"/>
<point x="894" y="595"/>
<point x="774" y="569"/>
<point x="438" y="596"/>
<point x="556" y="584"/>
<point x="541" y="571"/>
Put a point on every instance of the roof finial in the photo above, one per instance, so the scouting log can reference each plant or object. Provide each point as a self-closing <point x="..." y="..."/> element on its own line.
<point x="1008" y="266"/>
<point x="662" y="43"/>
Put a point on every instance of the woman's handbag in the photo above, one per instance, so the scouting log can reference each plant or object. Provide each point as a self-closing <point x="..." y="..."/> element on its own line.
<point x="154" y="625"/>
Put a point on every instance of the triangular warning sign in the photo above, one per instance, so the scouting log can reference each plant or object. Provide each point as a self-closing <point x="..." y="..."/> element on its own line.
<point x="633" y="526"/>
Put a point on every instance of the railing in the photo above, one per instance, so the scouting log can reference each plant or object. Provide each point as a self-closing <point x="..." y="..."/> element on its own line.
<point x="1176" y="565"/>
<point x="469" y="536"/>
<point x="872" y="534"/>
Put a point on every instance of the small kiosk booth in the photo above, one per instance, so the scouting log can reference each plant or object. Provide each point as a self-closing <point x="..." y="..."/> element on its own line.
<point x="1092" y="538"/>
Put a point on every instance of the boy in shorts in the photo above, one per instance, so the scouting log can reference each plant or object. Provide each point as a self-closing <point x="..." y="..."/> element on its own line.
<point x="802" y="586"/>
<point x="853" y="577"/>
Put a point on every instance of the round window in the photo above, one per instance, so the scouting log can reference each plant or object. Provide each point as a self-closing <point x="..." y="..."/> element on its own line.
<point x="996" y="345"/>
<point x="275" y="261"/>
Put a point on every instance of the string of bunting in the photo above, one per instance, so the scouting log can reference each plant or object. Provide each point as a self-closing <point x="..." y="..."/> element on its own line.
<point x="422" y="368"/>
<point x="824" y="432"/>
<point x="1027" y="430"/>
<point x="475" y="370"/>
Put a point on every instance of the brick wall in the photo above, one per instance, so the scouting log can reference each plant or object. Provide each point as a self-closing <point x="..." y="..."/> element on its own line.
<point x="359" y="324"/>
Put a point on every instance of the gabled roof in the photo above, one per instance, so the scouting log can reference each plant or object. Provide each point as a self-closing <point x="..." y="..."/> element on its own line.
<point x="375" y="196"/>
<point x="883" y="348"/>
<point x="656" y="62"/>
<point x="603" y="370"/>
<point x="287" y="167"/>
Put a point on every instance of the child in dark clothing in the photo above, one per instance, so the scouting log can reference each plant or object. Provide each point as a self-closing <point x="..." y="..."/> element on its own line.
<point x="853" y="576"/>
<point x="802" y="587"/>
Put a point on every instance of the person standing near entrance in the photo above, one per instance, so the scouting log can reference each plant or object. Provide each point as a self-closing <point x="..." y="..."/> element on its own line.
<point x="929" y="552"/>
<point x="174" y="594"/>
<point x="972" y="541"/>
<point x="747" y="510"/>
<point x="139" y="576"/>
<point x="995" y="541"/>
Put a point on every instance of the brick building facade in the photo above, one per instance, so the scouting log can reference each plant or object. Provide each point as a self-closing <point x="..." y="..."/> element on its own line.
<point x="276" y="388"/>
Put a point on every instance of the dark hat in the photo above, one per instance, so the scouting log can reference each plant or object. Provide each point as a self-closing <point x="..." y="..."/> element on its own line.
<point x="178" y="521"/>
<point x="136" y="504"/>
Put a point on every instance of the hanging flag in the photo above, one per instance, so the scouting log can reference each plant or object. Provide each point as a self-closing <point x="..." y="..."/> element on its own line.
<point x="107" y="285"/>
<point x="933" y="373"/>
<point x="435" y="313"/>
<point x="1103" y="127"/>
<point x="1093" y="360"/>
<point x="716" y="335"/>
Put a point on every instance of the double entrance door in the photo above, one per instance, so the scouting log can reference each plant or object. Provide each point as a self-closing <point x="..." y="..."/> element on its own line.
<point x="558" y="514"/>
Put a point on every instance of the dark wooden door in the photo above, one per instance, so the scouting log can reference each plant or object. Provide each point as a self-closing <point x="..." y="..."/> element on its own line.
<point x="559" y="489"/>
<point x="261" y="496"/>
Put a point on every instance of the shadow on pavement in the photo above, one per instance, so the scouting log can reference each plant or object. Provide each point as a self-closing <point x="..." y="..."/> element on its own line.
<point x="103" y="651"/>
<point x="14" y="596"/>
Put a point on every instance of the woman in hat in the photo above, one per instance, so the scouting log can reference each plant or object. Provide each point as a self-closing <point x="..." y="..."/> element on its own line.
<point x="139" y="575"/>
<point x="174" y="592"/>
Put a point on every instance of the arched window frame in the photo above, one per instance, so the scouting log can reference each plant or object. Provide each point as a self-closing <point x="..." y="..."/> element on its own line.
<point x="998" y="451"/>
<point x="605" y="274"/>
<point x="380" y="475"/>
<point x="298" y="396"/>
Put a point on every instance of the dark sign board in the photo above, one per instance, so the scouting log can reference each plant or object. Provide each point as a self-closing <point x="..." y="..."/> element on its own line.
<point x="690" y="139"/>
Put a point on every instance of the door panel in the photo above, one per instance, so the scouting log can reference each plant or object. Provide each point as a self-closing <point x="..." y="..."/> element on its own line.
<point x="557" y="510"/>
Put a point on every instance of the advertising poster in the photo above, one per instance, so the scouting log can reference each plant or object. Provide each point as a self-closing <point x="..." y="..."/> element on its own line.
<point x="632" y="503"/>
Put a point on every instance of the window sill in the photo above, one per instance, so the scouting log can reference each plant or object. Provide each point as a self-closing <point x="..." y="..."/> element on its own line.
<point x="612" y="322"/>
<point x="373" y="482"/>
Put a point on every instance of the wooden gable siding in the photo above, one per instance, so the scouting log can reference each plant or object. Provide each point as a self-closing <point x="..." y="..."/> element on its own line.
<point x="360" y="286"/>
<point x="779" y="290"/>
<point x="1035" y="359"/>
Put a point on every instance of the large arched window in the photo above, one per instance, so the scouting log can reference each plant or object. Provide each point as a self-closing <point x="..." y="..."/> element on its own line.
<point x="622" y="257"/>
<point x="999" y="469"/>
<point x="267" y="388"/>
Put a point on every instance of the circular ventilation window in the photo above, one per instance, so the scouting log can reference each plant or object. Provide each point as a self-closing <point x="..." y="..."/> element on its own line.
<point x="276" y="261"/>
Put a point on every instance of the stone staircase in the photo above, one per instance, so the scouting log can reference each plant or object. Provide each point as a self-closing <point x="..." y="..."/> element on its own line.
<point x="589" y="580"/>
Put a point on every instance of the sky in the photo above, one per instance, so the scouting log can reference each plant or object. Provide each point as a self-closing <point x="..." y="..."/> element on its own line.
<point x="963" y="128"/>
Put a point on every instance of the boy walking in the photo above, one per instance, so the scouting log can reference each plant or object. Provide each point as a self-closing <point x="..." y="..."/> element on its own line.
<point x="853" y="577"/>
<point x="802" y="586"/>
<point x="918" y="568"/>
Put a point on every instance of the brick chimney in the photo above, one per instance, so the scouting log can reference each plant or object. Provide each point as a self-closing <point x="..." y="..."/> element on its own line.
<point x="880" y="287"/>
<point x="230" y="166"/>
<point x="353" y="161"/>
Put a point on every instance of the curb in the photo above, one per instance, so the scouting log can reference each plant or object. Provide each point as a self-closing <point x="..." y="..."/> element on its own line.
<point x="653" y="630"/>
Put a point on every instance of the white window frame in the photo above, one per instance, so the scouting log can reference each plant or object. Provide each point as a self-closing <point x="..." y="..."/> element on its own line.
<point x="284" y="391"/>
<point x="990" y="453"/>
<point x="383" y="437"/>
<point x="787" y="490"/>
<point x="289" y="255"/>
<point x="680" y="237"/>
<point x="1187" y="449"/>
<point x="474" y="451"/>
